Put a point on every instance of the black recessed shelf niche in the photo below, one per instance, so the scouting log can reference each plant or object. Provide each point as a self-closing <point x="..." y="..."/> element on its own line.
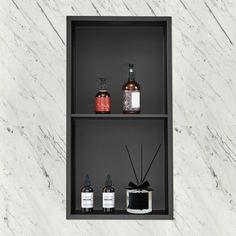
<point x="100" y="47"/>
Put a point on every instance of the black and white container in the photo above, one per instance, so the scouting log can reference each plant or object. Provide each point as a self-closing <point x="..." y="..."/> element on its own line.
<point x="139" y="195"/>
<point x="139" y="201"/>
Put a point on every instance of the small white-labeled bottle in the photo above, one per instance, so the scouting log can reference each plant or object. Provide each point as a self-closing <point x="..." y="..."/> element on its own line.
<point x="87" y="196"/>
<point x="108" y="196"/>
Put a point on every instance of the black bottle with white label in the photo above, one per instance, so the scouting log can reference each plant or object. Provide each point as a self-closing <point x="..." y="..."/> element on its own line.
<point x="108" y="196"/>
<point x="87" y="196"/>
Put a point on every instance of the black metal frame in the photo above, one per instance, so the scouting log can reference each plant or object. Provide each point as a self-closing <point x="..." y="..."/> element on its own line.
<point x="166" y="21"/>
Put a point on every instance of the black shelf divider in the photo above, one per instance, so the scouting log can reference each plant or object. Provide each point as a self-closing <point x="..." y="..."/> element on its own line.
<point x="119" y="116"/>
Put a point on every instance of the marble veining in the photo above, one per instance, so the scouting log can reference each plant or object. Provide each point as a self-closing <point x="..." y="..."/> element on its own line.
<point x="33" y="111"/>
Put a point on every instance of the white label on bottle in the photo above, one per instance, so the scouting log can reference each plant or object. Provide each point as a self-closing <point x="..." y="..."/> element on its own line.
<point x="87" y="200"/>
<point x="108" y="200"/>
<point x="135" y="99"/>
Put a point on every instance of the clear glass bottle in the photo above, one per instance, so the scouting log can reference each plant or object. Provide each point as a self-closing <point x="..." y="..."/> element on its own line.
<point x="131" y="94"/>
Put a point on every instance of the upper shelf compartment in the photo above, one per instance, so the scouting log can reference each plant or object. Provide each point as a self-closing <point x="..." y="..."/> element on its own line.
<point x="104" y="48"/>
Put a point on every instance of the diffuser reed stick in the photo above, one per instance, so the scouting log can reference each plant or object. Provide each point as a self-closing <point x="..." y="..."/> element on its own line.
<point x="151" y="162"/>
<point x="141" y="163"/>
<point x="131" y="163"/>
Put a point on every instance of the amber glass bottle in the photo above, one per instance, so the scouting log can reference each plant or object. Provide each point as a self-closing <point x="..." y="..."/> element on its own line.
<point x="108" y="196"/>
<point x="87" y="196"/>
<point x="103" y="99"/>
<point x="131" y="94"/>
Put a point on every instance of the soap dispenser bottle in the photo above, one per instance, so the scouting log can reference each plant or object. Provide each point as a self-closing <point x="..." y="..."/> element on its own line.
<point x="131" y="94"/>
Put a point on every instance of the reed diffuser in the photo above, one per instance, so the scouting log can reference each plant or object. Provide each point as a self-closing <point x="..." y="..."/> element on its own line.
<point x="139" y="195"/>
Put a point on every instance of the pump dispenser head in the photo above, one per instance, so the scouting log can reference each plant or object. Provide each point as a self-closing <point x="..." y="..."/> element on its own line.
<point x="103" y="84"/>
<point x="131" y="68"/>
<point x="87" y="182"/>
<point x="108" y="182"/>
<point x="131" y="71"/>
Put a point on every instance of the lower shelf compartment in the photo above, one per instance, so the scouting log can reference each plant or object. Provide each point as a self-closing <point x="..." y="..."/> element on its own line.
<point x="98" y="149"/>
<point x="120" y="214"/>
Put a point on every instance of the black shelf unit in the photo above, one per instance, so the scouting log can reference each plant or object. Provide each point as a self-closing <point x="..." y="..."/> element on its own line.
<point x="99" y="46"/>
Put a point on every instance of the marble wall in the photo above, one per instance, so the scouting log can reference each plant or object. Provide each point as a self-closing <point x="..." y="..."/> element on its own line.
<point x="32" y="117"/>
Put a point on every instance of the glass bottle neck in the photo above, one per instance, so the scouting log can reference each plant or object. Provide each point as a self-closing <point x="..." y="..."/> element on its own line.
<point x="131" y="75"/>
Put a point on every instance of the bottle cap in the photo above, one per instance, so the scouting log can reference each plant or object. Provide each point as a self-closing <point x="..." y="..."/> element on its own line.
<point x="103" y="83"/>
<point x="108" y="182"/>
<point x="87" y="182"/>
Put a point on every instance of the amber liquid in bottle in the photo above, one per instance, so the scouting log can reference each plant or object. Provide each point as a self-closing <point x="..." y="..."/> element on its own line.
<point x="131" y="94"/>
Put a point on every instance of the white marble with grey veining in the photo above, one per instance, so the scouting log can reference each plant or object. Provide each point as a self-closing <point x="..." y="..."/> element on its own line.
<point x="32" y="117"/>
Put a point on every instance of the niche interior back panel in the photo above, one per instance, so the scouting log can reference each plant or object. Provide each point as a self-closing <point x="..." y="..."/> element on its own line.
<point x="107" y="155"/>
<point x="103" y="47"/>
<point x="104" y="51"/>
